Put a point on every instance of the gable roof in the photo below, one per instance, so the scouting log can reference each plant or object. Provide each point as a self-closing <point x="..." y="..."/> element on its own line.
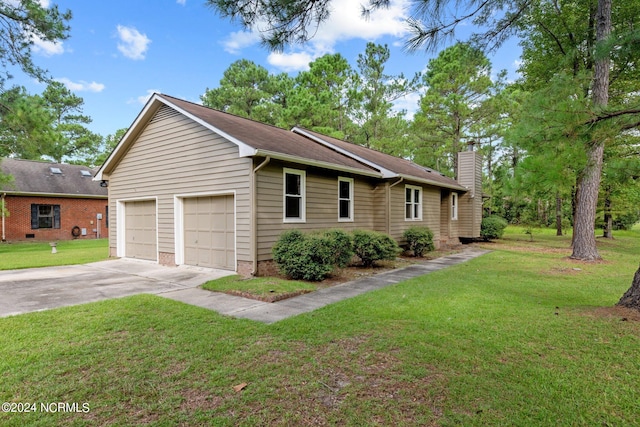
<point x="35" y="178"/>
<point x="299" y="145"/>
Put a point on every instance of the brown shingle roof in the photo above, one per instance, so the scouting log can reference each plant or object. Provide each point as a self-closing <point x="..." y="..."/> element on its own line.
<point x="394" y="164"/>
<point x="267" y="138"/>
<point x="299" y="145"/>
<point x="34" y="177"/>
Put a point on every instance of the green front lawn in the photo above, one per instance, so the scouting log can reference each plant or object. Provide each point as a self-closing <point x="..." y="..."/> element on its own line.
<point x="522" y="336"/>
<point x="263" y="288"/>
<point x="38" y="254"/>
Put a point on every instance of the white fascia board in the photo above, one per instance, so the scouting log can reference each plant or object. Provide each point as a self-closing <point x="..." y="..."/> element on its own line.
<point x="141" y="117"/>
<point x="245" y="149"/>
<point x="320" y="164"/>
<point x="434" y="183"/>
<point x="386" y="173"/>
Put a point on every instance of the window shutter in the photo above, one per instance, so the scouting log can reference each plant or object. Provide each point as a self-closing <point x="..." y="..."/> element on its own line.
<point x="34" y="217"/>
<point x="56" y="216"/>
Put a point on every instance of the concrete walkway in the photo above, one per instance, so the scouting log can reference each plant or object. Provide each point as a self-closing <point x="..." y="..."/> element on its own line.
<point x="272" y="312"/>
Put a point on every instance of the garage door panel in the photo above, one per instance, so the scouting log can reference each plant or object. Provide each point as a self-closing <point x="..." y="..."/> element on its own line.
<point x="209" y="231"/>
<point x="140" y="230"/>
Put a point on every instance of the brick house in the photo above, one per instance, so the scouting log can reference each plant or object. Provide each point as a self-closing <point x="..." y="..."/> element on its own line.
<point x="51" y="201"/>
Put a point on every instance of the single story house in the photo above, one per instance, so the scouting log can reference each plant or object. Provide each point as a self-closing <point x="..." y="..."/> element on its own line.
<point x="51" y="201"/>
<point x="192" y="185"/>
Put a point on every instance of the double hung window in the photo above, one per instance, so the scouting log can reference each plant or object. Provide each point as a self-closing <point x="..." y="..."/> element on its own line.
<point x="413" y="203"/>
<point x="345" y="199"/>
<point x="294" y="195"/>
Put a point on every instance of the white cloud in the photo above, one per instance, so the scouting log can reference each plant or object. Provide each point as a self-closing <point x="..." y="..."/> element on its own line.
<point x="344" y="23"/>
<point x="142" y="99"/>
<point x="133" y="44"/>
<point x="44" y="3"/>
<point x="294" y="61"/>
<point x="182" y="2"/>
<point x="81" y="86"/>
<point x="46" y="48"/>
<point x="238" y="40"/>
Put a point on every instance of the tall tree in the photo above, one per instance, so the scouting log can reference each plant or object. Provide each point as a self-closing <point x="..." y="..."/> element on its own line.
<point x="106" y="146"/>
<point x="23" y="22"/>
<point x="70" y="138"/>
<point x="454" y="107"/>
<point x="25" y="125"/>
<point x="319" y="100"/>
<point x="248" y="90"/>
<point x="375" y="91"/>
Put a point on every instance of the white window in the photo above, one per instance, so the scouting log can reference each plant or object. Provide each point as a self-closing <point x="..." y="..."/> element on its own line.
<point x="345" y="199"/>
<point x="454" y="206"/>
<point x="294" y="195"/>
<point x="413" y="203"/>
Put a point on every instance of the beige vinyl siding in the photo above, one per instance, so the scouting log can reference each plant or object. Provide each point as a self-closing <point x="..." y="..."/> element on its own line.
<point x="430" y="211"/>
<point x="470" y="203"/>
<point x="448" y="227"/>
<point x="175" y="155"/>
<point x="321" y="204"/>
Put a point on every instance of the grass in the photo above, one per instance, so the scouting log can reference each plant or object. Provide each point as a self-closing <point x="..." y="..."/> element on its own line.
<point x="263" y="288"/>
<point x="38" y="254"/>
<point x="522" y="336"/>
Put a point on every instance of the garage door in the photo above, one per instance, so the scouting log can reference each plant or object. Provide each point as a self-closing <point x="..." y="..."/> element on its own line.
<point x="209" y="232"/>
<point x="140" y="230"/>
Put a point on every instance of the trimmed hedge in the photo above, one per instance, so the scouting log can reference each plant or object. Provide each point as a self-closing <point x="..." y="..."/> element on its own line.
<point x="419" y="240"/>
<point x="492" y="227"/>
<point x="312" y="256"/>
<point x="371" y="246"/>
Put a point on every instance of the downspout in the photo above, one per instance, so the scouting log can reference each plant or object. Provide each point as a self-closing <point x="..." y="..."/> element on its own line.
<point x="254" y="214"/>
<point x="4" y="237"/>
<point x="389" y="203"/>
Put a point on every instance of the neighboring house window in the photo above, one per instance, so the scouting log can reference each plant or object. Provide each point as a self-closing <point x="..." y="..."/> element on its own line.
<point x="45" y="216"/>
<point x="413" y="203"/>
<point x="454" y="206"/>
<point x="345" y="199"/>
<point x="294" y="195"/>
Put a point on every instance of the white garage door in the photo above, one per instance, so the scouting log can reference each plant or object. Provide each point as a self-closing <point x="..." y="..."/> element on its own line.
<point x="209" y="232"/>
<point x="140" y="230"/>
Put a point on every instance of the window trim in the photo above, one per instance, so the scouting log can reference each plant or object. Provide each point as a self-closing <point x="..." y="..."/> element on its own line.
<point x="303" y="195"/>
<point x="454" y="206"/>
<point x="413" y="202"/>
<point x="350" y="218"/>
<point x="35" y="216"/>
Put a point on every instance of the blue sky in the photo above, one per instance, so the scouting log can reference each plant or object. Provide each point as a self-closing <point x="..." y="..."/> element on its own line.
<point x="119" y="52"/>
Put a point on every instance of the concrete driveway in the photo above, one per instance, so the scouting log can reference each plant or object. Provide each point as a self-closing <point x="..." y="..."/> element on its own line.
<point x="36" y="289"/>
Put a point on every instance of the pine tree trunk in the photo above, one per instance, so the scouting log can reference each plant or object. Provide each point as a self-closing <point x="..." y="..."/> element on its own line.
<point x="584" y="240"/>
<point x="631" y="298"/>
<point x="607" y="231"/>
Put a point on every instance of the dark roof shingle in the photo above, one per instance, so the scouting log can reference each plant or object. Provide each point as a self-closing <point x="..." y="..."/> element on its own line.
<point x="266" y="137"/>
<point x="34" y="177"/>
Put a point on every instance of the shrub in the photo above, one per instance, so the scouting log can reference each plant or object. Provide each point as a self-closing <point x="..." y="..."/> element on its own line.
<point x="492" y="227"/>
<point x="312" y="256"/>
<point x="341" y="247"/>
<point x="371" y="246"/>
<point x="300" y="256"/>
<point x="419" y="240"/>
